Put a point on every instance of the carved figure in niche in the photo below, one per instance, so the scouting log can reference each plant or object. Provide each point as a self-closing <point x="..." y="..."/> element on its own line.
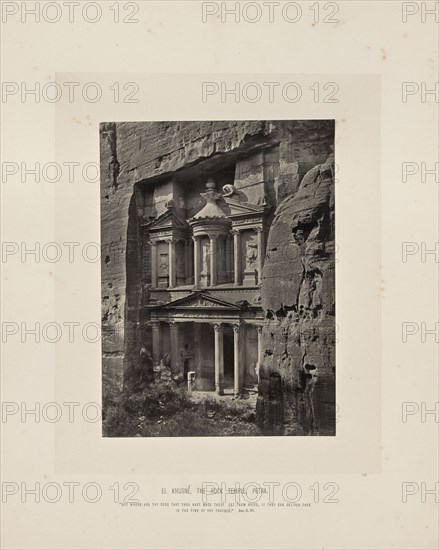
<point x="251" y="254"/>
<point x="179" y="262"/>
<point x="250" y="377"/>
<point x="205" y="257"/>
<point x="163" y="265"/>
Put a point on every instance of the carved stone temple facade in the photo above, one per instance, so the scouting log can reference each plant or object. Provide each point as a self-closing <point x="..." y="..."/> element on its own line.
<point x="218" y="258"/>
<point x="204" y="303"/>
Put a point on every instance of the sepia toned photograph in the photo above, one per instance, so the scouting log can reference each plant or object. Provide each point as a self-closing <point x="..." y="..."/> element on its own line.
<point x="208" y="208"/>
<point x="218" y="278"/>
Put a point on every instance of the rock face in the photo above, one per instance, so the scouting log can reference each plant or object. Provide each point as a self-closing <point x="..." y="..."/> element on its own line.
<point x="298" y="296"/>
<point x="270" y="159"/>
<point x="129" y="153"/>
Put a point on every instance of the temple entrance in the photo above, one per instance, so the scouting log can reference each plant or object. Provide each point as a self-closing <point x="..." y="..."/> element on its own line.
<point x="212" y="338"/>
<point x="186" y="368"/>
<point x="229" y="367"/>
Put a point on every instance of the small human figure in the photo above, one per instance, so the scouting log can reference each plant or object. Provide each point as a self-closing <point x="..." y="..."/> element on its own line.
<point x="146" y="373"/>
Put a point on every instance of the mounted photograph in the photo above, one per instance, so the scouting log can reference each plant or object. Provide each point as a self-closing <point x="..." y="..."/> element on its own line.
<point x="218" y="278"/>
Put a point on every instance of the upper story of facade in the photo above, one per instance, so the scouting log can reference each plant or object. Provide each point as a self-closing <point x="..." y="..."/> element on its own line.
<point x="205" y="227"/>
<point x="222" y="244"/>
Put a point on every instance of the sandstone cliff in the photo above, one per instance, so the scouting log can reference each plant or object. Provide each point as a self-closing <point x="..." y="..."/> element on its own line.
<point x="297" y="378"/>
<point x="298" y="287"/>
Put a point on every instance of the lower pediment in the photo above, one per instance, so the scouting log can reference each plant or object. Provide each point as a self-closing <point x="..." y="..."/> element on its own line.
<point x="201" y="300"/>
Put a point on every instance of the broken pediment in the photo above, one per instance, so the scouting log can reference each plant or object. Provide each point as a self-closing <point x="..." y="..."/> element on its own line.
<point x="167" y="220"/>
<point x="243" y="208"/>
<point x="167" y="224"/>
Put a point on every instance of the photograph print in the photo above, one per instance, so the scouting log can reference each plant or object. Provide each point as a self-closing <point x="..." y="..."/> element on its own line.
<point x="218" y="278"/>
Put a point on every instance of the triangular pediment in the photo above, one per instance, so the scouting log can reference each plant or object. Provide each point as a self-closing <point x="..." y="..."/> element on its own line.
<point x="200" y="300"/>
<point x="242" y="208"/>
<point x="167" y="220"/>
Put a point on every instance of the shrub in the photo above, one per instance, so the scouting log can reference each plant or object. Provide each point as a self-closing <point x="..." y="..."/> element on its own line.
<point x="163" y="409"/>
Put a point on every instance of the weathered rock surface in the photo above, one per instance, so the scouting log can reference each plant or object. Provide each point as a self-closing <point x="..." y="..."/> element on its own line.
<point x="298" y="287"/>
<point x="131" y="152"/>
<point x="298" y="296"/>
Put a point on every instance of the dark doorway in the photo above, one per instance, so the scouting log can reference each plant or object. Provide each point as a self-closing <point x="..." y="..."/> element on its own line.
<point x="186" y="368"/>
<point x="228" y="358"/>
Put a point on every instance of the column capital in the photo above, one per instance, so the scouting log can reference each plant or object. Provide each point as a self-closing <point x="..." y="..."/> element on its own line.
<point x="217" y="327"/>
<point x="259" y="229"/>
<point x="171" y="240"/>
<point x="154" y="324"/>
<point x="213" y="237"/>
<point x="237" y="327"/>
<point x="173" y="325"/>
<point x="235" y="231"/>
<point x="153" y="243"/>
<point x="259" y="328"/>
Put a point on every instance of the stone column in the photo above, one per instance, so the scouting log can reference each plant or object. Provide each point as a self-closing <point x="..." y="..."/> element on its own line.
<point x="196" y="260"/>
<point x="173" y="331"/>
<point x="237" y="356"/>
<point x="153" y="245"/>
<point x="156" y="351"/>
<point x="198" y="364"/>
<point x="228" y="253"/>
<point x="219" y="359"/>
<point x="237" y="256"/>
<point x="191" y="261"/>
<point x="187" y="261"/>
<point x="258" y="362"/>
<point x="172" y="272"/>
<point x="213" y="260"/>
<point x="261" y="245"/>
